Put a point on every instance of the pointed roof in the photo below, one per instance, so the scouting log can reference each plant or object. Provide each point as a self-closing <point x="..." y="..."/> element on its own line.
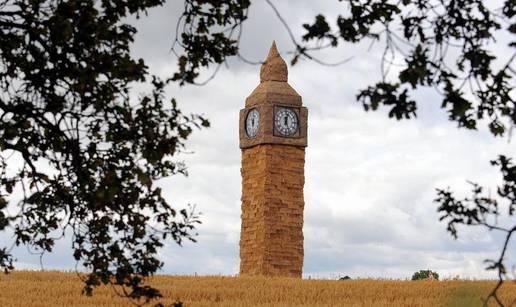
<point x="274" y="68"/>
<point x="273" y="87"/>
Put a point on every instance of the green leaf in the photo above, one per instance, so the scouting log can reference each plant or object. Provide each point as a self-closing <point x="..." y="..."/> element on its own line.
<point x="144" y="178"/>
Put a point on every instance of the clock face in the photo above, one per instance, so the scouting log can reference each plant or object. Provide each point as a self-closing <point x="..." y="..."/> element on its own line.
<point x="286" y="121"/>
<point x="252" y="123"/>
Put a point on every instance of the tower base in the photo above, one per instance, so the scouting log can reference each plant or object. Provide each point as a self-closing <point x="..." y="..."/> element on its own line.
<point x="271" y="242"/>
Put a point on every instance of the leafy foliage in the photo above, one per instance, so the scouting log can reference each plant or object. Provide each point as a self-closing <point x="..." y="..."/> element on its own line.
<point x="444" y="45"/>
<point x="482" y="209"/>
<point x="90" y="155"/>
<point x="425" y="274"/>
<point x="206" y="34"/>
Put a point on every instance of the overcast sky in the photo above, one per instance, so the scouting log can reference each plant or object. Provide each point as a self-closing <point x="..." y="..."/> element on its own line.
<point x="369" y="180"/>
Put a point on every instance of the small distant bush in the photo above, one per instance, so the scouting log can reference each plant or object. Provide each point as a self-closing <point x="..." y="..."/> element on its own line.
<point x="425" y="274"/>
<point x="345" y="278"/>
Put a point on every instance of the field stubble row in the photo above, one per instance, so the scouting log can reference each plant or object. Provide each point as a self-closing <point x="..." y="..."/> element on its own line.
<point x="51" y="288"/>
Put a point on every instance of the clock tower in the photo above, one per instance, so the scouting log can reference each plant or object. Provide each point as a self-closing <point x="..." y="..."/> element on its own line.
<point x="273" y="137"/>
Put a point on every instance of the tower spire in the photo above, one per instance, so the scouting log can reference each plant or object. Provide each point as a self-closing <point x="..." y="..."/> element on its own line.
<point x="274" y="68"/>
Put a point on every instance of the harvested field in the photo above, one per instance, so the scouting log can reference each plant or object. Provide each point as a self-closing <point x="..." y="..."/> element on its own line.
<point x="42" y="289"/>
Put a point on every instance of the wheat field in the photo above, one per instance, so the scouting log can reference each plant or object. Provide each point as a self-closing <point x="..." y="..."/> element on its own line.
<point x="52" y="289"/>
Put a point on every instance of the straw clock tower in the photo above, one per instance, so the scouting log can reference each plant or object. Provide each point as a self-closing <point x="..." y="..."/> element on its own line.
<point x="273" y="137"/>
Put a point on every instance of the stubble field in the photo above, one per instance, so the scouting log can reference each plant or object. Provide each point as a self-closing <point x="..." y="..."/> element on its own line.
<point x="42" y="289"/>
